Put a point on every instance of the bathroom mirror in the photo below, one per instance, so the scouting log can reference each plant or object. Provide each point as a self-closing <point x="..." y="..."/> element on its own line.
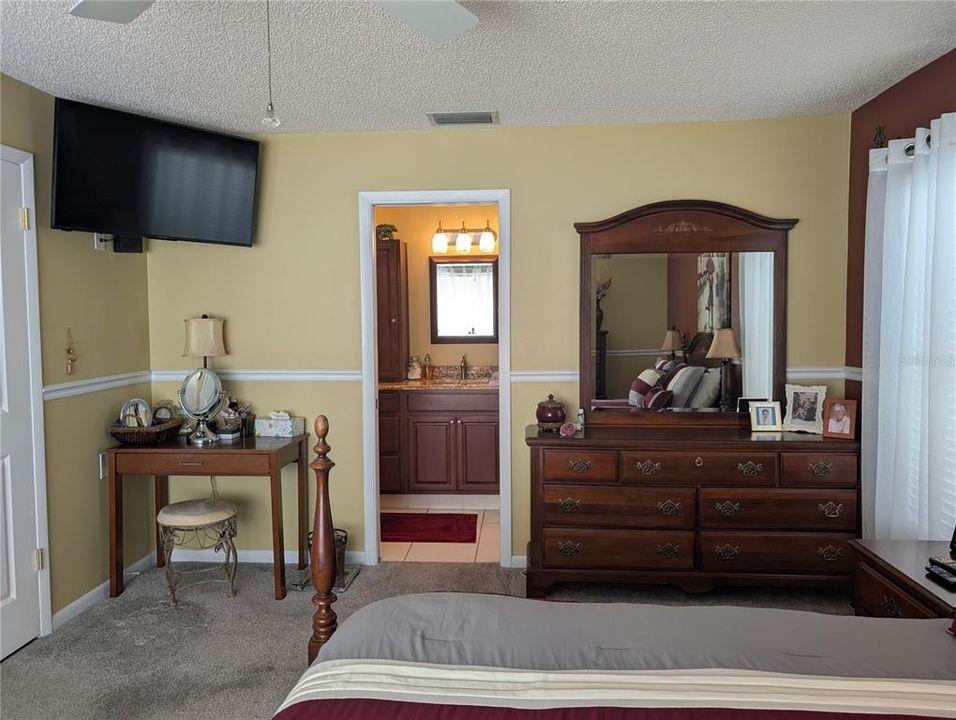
<point x="464" y="292"/>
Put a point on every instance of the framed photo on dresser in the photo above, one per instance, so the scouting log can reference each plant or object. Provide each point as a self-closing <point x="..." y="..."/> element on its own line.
<point x="804" y="408"/>
<point x="839" y="418"/>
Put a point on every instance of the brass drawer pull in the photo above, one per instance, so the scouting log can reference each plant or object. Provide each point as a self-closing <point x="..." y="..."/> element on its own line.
<point x="749" y="468"/>
<point x="668" y="550"/>
<point x="890" y="607"/>
<point x="649" y="467"/>
<point x="727" y="508"/>
<point x="820" y="469"/>
<point x="569" y="504"/>
<point x="830" y="553"/>
<point x="580" y="465"/>
<point x="668" y="507"/>
<point x="569" y="547"/>
<point x="830" y="509"/>
<point x="727" y="552"/>
<point x="699" y="461"/>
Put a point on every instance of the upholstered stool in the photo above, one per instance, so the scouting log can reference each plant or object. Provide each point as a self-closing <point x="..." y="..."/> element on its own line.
<point x="205" y="523"/>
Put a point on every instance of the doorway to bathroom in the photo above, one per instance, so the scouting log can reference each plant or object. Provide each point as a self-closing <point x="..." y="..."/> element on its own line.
<point x="437" y="430"/>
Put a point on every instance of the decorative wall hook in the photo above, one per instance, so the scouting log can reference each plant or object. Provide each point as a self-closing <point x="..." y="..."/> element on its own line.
<point x="71" y="356"/>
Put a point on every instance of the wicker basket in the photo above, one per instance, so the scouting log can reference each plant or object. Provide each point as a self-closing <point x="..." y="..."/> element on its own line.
<point x="156" y="433"/>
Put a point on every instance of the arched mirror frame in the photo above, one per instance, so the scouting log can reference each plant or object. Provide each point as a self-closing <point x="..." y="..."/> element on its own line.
<point x="681" y="226"/>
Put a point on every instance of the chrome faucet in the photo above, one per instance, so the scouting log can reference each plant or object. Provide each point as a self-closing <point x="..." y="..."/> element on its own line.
<point x="462" y="368"/>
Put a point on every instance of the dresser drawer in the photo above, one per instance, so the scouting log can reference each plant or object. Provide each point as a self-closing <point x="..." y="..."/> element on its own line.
<point x="597" y="465"/>
<point x="836" y="469"/>
<point x="778" y="509"/>
<point x="880" y="597"/>
<point x="775" y="552"/>
<point x="618" y="549"/>
<point x="388" y="401"/>
<point x="209" y="463"/>
<point x="703" y="468"/>
<point x="627" y="506"/>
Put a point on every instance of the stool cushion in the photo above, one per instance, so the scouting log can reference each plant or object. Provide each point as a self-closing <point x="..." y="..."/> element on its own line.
<point x="196" y="513"/>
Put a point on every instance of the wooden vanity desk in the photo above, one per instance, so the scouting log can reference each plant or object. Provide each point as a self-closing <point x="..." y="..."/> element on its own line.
<point x="683" y="492"/>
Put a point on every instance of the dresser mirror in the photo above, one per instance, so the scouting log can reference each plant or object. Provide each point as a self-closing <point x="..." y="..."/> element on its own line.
<point x="689" y="283"/>
<point x="463" y="293"/>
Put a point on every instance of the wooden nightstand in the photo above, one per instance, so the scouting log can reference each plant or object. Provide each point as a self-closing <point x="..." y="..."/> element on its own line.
<point x="889" y="580"/>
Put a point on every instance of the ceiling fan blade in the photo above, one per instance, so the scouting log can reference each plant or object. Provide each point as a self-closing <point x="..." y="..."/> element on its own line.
<point x="117" y="11"/>
<point x="439" y="20"/>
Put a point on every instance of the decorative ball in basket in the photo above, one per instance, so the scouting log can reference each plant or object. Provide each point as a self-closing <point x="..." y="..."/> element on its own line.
<point x="550" y="415"/>
<point x="138" y="426"/>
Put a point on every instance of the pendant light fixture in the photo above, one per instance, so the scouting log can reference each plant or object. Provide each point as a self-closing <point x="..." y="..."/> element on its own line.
<point x="439" y="241"/>
<point x="271" y="118"/>
<point x="463" y="241"/>
<point x="486" y="243"/>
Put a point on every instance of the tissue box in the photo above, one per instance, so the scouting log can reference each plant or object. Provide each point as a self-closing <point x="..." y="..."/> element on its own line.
<point x="267" y="427"/>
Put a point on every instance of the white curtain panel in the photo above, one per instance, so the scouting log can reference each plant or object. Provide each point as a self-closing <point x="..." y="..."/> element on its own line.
<point x="756" y="323"/>
<point x="909" y="338"/>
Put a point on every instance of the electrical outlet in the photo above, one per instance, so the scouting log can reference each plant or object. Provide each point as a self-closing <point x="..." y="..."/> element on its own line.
<point x="100" y="240"/>
<point x="104" y="466"/>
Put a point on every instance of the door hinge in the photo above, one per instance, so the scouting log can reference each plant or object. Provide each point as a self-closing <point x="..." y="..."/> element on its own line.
<point x="24" y="218"/>
<point x="38" y="559"/>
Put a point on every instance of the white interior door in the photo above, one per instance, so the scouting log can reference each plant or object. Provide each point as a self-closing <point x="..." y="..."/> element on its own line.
<point x="20" y="609"/>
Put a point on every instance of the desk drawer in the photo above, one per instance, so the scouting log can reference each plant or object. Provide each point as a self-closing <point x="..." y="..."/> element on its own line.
<point x="877" y="596"/>
<point x="598" y="465"/>
<point x="778" y="509"/>
<point x="619" y="549"/>
<point x="821" y="469"/>
<point x="623" y="506"/>
<point x="212" y="462"/>
<point x="819" y="554"/>
<point x="699" y="468"/>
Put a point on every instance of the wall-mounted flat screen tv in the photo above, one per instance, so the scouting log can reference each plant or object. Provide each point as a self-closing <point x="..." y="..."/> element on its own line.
<point x="128" y="175"/>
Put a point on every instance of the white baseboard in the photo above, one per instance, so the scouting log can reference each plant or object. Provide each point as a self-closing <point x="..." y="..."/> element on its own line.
<point x="262" y="557"/>
<point x="519" y="561"/>
<point x="100" y="592"/>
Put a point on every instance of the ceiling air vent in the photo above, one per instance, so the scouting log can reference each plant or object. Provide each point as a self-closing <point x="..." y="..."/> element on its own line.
<point x="463" y="118"/>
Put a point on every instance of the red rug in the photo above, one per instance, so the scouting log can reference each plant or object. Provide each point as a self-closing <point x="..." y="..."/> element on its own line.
<point x="429" y="527"/>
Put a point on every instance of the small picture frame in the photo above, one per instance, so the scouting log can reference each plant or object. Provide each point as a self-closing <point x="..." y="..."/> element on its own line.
<point x="804" y="408"/>
<point x="743" y="403"/>
<point x="839" y="418"/>
<point x="765" y="416"/>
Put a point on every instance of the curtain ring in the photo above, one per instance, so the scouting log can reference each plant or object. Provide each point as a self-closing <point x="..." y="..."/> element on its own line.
<point x="910" y="149"/>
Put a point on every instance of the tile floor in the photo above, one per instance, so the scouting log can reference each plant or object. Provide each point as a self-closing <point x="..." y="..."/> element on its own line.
<point x="485" y="550"/>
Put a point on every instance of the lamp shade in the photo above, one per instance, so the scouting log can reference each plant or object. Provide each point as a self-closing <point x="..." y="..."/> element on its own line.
<point x="439" y="241"/>
<point x="724" y="345"/>
<point x="671" y="340"/>
<point x="204" y="337"/>
<point x="486" y="243"/>
<point x="463" y="241"/>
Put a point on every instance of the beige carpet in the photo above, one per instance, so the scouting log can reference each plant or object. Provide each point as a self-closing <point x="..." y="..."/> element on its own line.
<point x="219" y="658"/>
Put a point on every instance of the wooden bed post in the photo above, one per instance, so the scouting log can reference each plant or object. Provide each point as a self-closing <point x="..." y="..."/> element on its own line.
<point x="322" y="557"/>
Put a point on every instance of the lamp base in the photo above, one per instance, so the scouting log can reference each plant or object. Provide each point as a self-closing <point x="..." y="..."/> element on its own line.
<point x="203" y="435"/>
<point x="728" y="403"/>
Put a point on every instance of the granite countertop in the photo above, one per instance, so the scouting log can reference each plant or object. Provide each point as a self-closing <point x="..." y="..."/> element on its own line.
<point x="441" y="384"/>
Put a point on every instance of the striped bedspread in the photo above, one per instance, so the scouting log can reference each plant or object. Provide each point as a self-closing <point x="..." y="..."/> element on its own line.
<point x="445" y="655"/>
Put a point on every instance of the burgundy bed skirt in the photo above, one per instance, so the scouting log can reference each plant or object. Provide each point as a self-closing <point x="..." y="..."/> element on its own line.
<point x="389" y="710"/>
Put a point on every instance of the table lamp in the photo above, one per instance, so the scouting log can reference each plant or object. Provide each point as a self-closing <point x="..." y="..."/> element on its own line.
<point x="672" y="342"/>
<point x="725" y="348"/>
<point x="201" y="393"/>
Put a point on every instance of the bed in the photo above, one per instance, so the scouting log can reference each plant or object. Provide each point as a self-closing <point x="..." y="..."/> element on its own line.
<point x="464" y="656"/>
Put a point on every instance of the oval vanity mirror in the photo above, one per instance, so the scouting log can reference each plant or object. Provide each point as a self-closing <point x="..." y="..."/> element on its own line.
<point x="200" y="393"/>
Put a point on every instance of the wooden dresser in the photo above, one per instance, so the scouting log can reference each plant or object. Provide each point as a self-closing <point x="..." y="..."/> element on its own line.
<point x="694" y="507"/>
<point x="890" y="579"/>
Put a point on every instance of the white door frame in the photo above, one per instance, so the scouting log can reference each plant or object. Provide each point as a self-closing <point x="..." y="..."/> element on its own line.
<point x="367" y="203"/>
<point x="25" y="161"/>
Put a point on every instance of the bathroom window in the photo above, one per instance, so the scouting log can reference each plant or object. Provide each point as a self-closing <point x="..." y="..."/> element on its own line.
<point x="464" y="306"/>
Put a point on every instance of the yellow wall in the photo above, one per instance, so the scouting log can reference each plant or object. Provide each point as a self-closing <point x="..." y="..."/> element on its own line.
<point x="292" y="301"/>
<point x="102" y="297"/>
<point x="416" y="224"/>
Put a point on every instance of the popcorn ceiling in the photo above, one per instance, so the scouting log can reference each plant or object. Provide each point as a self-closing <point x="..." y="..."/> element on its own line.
<point x="344" y="66"/>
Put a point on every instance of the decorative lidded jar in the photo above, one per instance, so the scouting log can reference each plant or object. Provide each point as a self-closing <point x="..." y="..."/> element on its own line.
<point x="550" y="414"/>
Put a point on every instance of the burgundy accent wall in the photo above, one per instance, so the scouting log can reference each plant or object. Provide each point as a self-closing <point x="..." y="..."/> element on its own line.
<point x="913" y="102"/>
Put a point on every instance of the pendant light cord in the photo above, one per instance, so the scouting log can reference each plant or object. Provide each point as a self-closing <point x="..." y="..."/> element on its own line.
<point x="269" y="47"/>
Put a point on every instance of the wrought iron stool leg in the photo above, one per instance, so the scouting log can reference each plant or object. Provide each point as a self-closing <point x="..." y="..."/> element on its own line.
<point x="168" y="538"/>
